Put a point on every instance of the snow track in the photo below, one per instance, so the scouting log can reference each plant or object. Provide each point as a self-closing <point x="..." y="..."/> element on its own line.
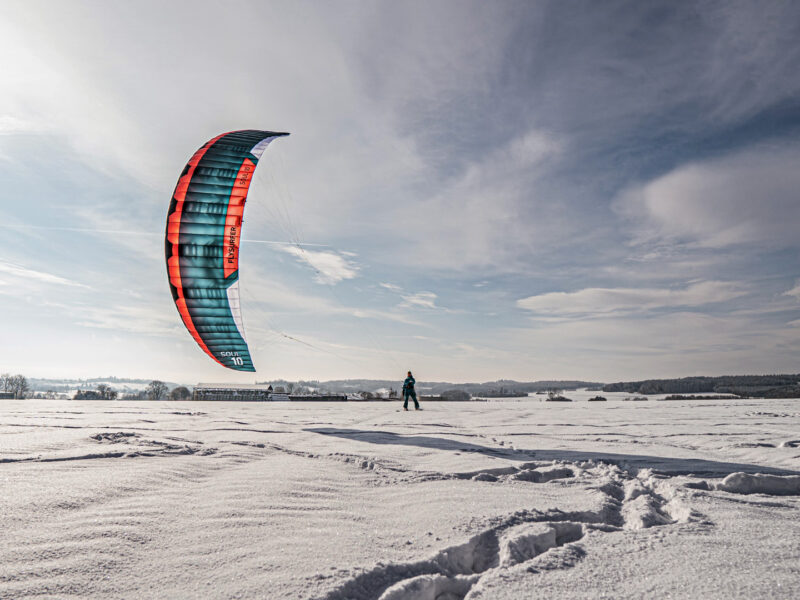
<point x="452" y="572"/>
<point x="626" y="502"/>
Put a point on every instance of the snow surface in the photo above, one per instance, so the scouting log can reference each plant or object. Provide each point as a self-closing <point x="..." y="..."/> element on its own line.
<point x="332" y="501"/>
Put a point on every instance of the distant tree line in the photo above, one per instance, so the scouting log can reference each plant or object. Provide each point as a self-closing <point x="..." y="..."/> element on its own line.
<point x="503" y="392"/>
<point x="155" y="390"/>
<point x="504" y="387"/>
<point x="158" y="390"/>
<point x="455" y="395"/>
<point x="741" y="385"/>
<point x="14" y="384"/>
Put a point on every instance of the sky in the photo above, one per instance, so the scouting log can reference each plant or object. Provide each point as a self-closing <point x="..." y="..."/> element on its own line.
<point x="520" y="190"/>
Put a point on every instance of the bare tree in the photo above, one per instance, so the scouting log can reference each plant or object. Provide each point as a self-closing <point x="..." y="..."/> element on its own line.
<point x="105" y="392"/>
<point x="5" y="382"/>
<point x="156" y="390"/>
<point x="553" y="393"/>
<point x="19" y="385"/>
<point x="180" y="393"/>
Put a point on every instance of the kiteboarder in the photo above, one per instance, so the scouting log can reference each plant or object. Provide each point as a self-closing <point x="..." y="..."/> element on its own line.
<point x="408" y="390"/>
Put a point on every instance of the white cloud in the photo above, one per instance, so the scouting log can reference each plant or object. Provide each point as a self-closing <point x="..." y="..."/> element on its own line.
<point x="23" y="273"/>
<point x="13" y="125"/>
<point x="745" y="198"/>
<point x="605" y="301"/>
<point x="423" y="299"/>
<point x="330" y="267"/>
<point x="420" y="300"/>
<point x="794" y="292"/>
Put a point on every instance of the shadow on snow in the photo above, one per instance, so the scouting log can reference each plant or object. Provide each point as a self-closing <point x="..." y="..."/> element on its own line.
<point x="660" y="464"/>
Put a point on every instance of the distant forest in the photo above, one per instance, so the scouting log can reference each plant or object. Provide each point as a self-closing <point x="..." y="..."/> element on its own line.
<point x="761" y="386"/>
<point x="120" y="384"/>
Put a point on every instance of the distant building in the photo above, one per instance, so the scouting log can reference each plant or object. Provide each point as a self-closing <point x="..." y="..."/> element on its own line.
<point x="6" y="395"/>
<point x="245" y="392"/>
<point x="233" y="392"/>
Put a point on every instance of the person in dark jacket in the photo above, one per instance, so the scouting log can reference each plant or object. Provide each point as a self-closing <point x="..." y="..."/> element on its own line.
<point x="408" y="391"/>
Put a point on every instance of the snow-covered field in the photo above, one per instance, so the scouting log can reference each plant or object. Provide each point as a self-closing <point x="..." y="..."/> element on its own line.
<point x="489" y="500"/>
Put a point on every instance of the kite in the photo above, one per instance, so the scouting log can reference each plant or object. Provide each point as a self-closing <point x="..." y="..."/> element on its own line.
<point x="204" y="226"/>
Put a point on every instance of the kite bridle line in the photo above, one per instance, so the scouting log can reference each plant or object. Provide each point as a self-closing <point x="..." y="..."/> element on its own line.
<point x="277" y="210"/>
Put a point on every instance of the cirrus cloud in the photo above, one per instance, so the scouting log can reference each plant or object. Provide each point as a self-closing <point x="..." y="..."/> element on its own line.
<point x="607" y="301"/>
<point x="21" y="273"/>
